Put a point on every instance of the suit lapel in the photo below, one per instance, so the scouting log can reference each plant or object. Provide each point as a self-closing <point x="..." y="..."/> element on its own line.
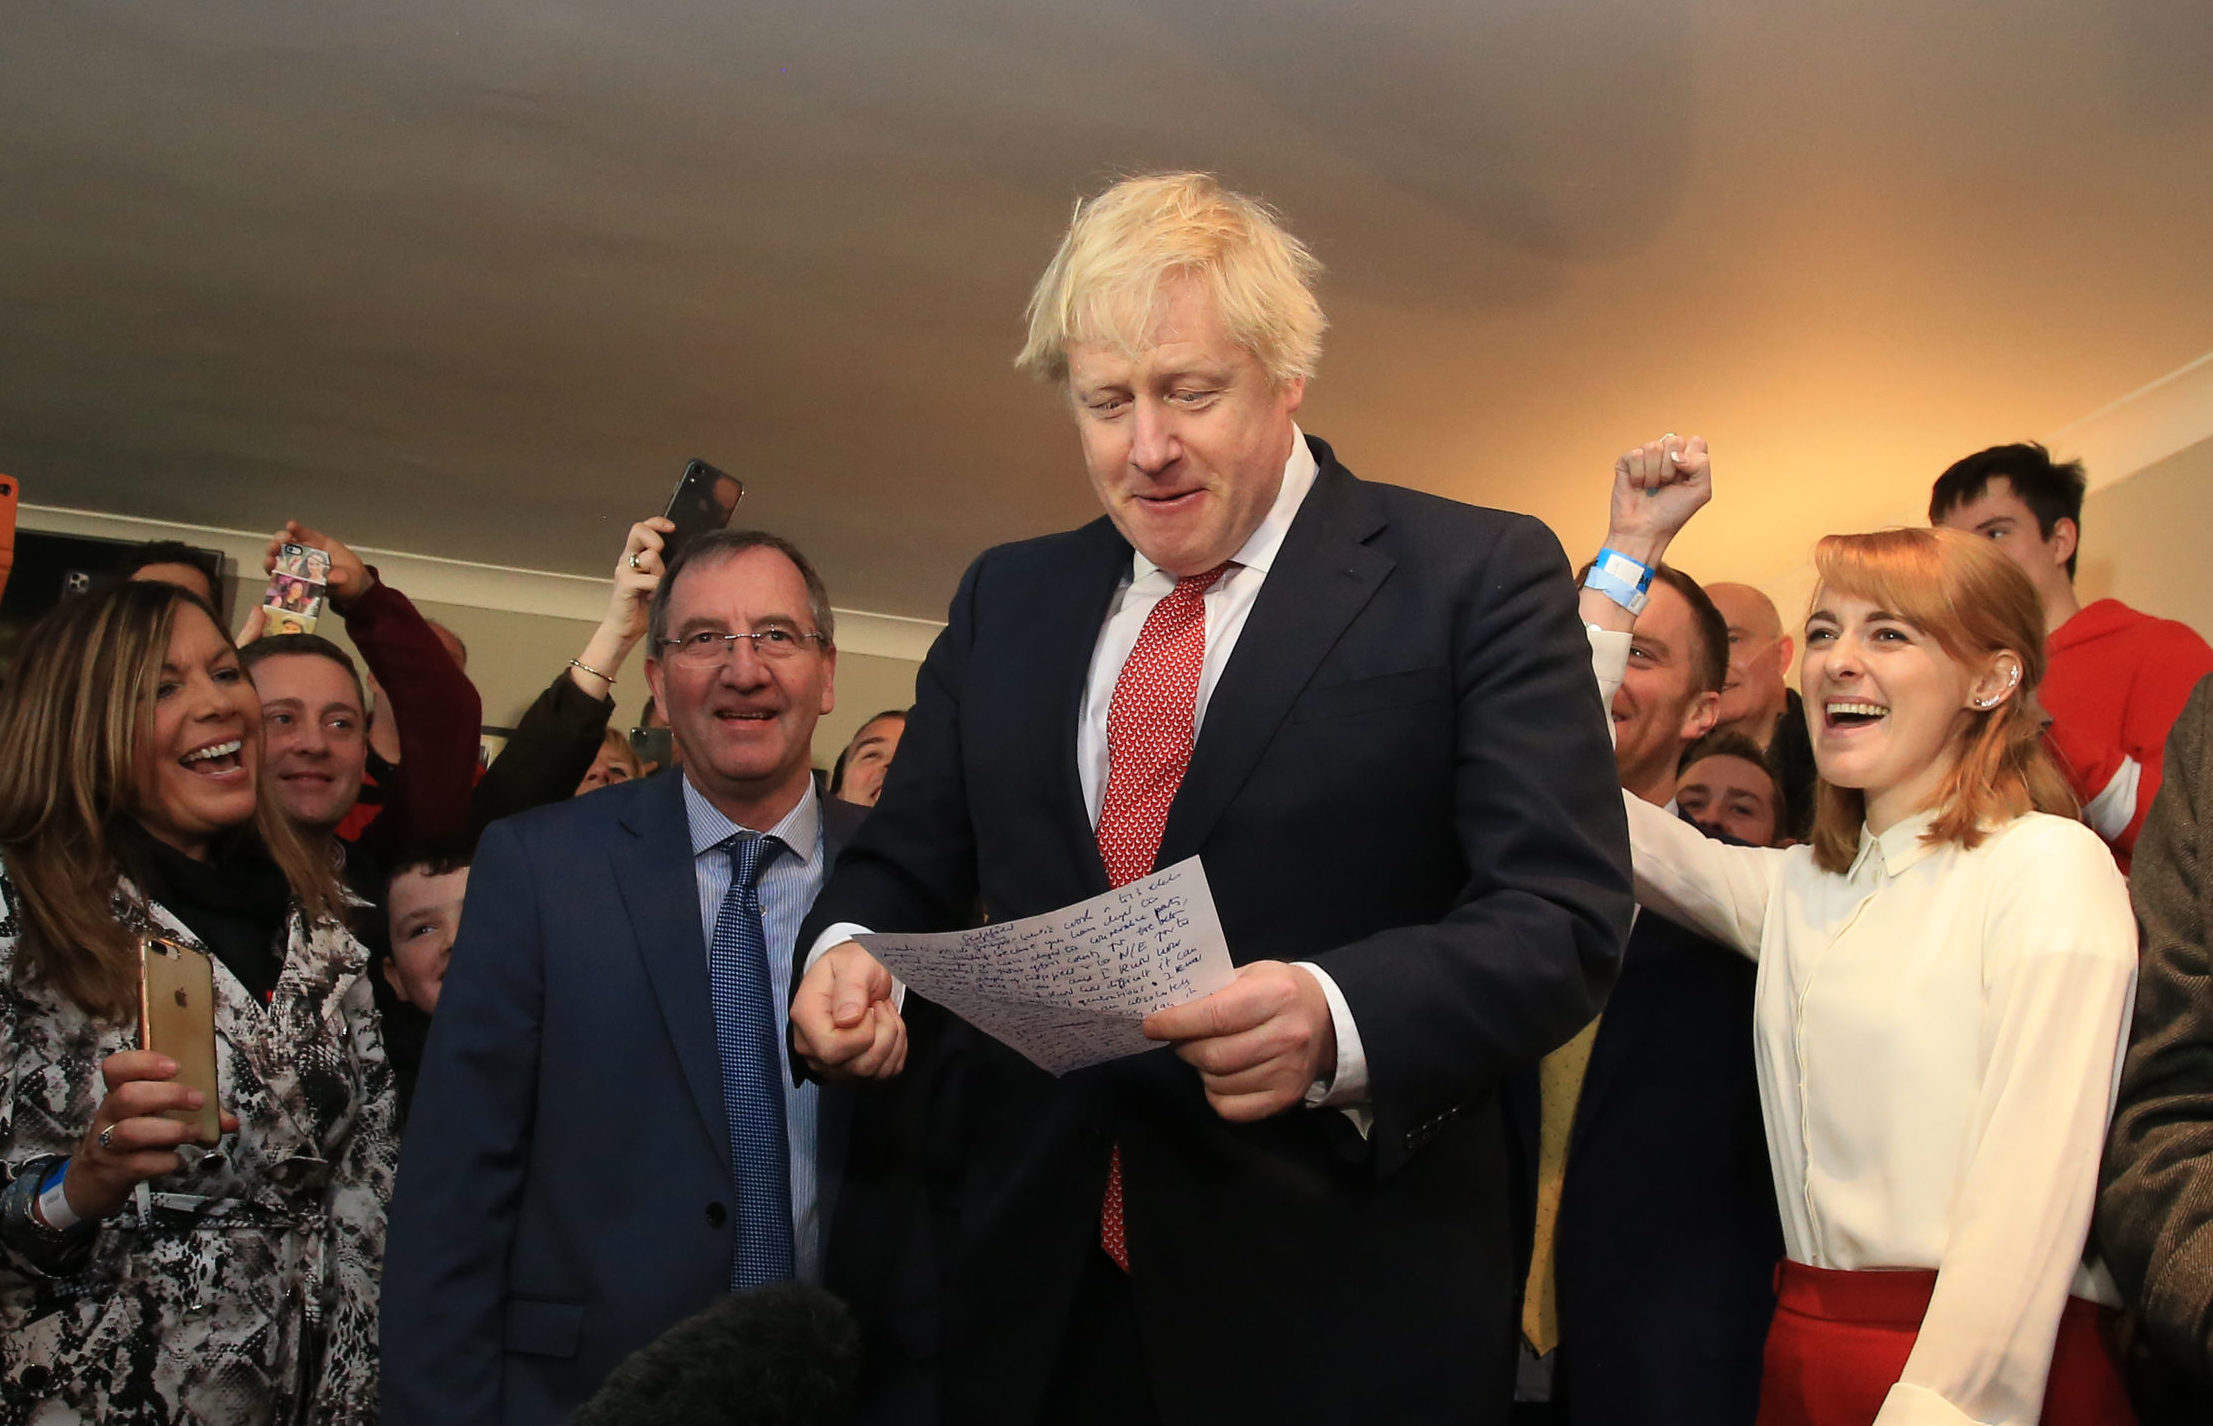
<point x="1606" y="1055"/>
<point x="1102" y="562"/>
<point x="1321" y="579"/>
<point x="653" y="874"/>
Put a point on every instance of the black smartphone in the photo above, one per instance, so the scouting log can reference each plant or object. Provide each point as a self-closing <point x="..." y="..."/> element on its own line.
<point x="653" y="745"/>
<point x="705" y="499"/>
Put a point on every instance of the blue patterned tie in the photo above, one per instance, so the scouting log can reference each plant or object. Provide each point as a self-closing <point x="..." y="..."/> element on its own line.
<point x="746" y="1025"/>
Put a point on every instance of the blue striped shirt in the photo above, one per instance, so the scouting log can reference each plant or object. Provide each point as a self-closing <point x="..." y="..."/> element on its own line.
<point x="788" y="887"/>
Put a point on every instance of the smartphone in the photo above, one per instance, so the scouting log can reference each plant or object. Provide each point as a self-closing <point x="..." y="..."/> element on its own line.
<point x="297" y="583"/>
<point x="653" y="745"/>
<point x="7" y="528"/>
<point x="176" y="1017"/>
<point x="705" y="499"/>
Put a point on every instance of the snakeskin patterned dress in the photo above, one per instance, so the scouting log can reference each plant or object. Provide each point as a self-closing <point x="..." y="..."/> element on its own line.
<point x="243" y="1289"/>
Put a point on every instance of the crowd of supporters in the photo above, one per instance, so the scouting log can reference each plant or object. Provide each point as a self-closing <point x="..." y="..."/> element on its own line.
<point x="1863" y="1131"/>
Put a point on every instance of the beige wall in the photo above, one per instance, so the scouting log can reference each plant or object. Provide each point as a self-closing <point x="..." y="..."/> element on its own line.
<point x="2144" y="542"/>
<point x="2144" y="539"/>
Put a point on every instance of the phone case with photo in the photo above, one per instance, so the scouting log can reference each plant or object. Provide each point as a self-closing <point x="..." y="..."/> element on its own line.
<point x="294" y="599"/>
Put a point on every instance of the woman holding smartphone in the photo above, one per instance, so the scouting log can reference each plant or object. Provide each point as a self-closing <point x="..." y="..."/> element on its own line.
<point x="1945" y="975"/>
<point x="145" y="1277"/>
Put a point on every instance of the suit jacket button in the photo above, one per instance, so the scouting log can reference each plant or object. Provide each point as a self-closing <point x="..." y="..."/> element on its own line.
<point x="717" y="1215"/>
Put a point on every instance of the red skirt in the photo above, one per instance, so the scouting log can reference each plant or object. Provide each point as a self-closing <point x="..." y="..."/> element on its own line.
<point x="1840" y="1340"/>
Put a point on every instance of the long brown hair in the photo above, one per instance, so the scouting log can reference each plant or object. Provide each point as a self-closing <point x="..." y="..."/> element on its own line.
<point x="1975" y="603"/>
<point x="72" y="712"/>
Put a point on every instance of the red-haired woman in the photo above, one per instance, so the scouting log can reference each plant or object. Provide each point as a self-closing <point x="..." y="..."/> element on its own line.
<point x="1944" y="986"/>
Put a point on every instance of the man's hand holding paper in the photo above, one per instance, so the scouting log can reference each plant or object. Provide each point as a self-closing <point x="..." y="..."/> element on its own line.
<point x="1258" y="1043"/>
<point x="1075" y="987"/>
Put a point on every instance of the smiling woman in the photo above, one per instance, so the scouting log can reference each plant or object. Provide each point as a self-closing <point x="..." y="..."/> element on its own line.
<point x="1943" y="990"/>
<point x="1922" y="651"/>
<point x="131" y="805"/>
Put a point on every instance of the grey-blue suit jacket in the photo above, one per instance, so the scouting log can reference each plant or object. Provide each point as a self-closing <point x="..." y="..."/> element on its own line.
<point x="565" y="1191"/>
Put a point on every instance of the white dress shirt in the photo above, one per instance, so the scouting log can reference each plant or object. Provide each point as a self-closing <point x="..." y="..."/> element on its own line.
<point x="1939" y="1034"/>
<point x="787" y="889"/>
<point x="1227" y="604"/>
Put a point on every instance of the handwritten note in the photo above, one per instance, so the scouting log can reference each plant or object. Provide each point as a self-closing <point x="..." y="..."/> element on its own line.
<point x="1069" y="988"/>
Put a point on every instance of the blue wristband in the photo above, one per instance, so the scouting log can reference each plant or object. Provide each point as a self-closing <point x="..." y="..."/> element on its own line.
<point x="1625" y="581"/>
<point x="53" y="1201"/>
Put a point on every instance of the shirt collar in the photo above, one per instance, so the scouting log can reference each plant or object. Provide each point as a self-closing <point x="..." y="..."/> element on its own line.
<point x="800" y="829"/>
<point x="1260" y="548"/>
<point x="1895" y="851"/>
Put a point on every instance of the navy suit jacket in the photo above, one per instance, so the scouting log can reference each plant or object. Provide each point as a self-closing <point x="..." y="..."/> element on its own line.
<point x="1668" y="1232"/>
<point x="565" y="1191"/>
<point x="1403" y="776"/>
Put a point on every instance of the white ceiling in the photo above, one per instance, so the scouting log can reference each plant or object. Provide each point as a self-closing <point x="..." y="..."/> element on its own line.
<point x="473" y="280"/>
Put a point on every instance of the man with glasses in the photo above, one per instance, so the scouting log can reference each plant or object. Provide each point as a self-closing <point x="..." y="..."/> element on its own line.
<point x="607" y="1134"/>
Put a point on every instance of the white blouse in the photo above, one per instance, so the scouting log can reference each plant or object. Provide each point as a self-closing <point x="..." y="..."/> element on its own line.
<point x="1939" y="1035"/>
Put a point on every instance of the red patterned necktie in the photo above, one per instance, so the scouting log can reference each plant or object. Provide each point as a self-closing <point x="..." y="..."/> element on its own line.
<point x="1149" y="727"/>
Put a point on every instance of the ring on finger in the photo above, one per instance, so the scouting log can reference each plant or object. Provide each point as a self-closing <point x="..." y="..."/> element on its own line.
<point x="106" y="1138"/>
<point x="634" y="561"/>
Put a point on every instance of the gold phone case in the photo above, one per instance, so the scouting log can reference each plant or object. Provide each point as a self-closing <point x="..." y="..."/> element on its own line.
<point x="176" y="1017"/>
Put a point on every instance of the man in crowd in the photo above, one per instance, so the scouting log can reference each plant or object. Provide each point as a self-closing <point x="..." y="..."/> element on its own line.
<point x="608" y="1135"/>
<point x="2116" y="677"/>
<point x="858" y="774"/>
<point x="2155" y="1206"/>
<point x="1758" y="704"/>
<point x="1656" y="1235"/>
<point x="1668" y="701"/>
<point x="1729" y="789"/>
<point x="1368" y="711"/>
<point x="174" y="562"/>
<point x="314" y="735"/>
<point x="314" y="747"/>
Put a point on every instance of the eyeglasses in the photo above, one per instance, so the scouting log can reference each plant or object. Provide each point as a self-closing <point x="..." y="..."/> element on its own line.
<point x="707" y="648"/>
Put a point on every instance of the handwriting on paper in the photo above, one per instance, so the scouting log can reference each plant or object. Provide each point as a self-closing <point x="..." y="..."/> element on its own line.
<point x="1071" y="988"/>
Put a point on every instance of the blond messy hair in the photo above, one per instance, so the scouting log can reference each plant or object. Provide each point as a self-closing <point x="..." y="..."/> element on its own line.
<point x="1975" y="603"/>
<point x="1124" y="244"/>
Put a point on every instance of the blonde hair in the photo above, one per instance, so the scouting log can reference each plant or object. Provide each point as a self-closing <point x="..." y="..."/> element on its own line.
<point x="1122" y="245"/>
<point x="72" y="712"/>
<point x="615" y="741"/>
<point x="1957" y="589"/>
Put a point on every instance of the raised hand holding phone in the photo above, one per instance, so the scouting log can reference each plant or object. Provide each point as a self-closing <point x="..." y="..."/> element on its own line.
<point x="345" y="574"/>
<point x="637" y="574"/>
<point x="705" y="499"/>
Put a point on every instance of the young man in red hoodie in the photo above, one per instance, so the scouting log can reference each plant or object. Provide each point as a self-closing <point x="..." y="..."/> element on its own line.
<point x="2117" y="678"/>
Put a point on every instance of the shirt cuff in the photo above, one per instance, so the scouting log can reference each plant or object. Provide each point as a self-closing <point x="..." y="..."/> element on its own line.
<point x="1609" y="665"/>
<point x="1910" y="1405"/>
<point x="839" y="932"/>
<point x="2110" y="812"/>
<point x="1348" y="1082"/>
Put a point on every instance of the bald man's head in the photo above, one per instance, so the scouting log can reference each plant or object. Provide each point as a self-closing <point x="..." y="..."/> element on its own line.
<point x="1759" y="651"/>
